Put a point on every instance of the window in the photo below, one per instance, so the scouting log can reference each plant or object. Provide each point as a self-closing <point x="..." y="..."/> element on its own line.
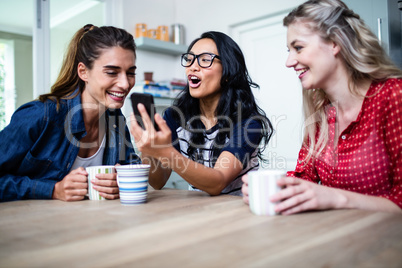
<point x="7" y="89"/>
<point x="18" y="60"/>
<point x="2" y="76"/>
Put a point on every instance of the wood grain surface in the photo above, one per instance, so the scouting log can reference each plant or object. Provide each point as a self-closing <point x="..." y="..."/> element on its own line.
<point x="179" y="228"/>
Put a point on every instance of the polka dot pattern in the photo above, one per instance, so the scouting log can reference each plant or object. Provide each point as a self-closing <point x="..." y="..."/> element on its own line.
<point x="368" y="156"/>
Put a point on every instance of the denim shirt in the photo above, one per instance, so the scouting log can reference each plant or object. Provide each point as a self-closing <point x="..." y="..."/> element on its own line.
<point x="41" y="143"/>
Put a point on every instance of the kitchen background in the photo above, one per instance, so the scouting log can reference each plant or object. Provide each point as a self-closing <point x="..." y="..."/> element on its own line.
<point x="34" y="35"/>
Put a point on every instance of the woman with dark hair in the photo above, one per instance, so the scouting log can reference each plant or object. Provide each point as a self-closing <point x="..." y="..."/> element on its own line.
<point x="49" y="142"/>
<point x="351" y="155"/>
<point x="211" y="135"/>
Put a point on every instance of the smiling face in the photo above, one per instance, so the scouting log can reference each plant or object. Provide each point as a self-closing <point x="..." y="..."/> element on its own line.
<point x="314" y="60"/>
<point x="110" y="79"/>
<point x="205" y="83"/>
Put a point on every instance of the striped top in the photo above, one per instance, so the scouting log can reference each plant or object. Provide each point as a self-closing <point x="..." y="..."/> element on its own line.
<point x="243" y="144"/>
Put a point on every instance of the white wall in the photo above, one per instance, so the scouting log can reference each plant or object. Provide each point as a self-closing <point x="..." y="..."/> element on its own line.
<point x="197" y="17"/>
<point x="61" y="34"/>
<point x="279" y="94"/>
<point x="219" y="15"/>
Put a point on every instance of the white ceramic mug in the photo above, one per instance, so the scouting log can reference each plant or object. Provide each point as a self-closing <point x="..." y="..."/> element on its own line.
<point x="261" y="186"/>
<point x="92" y="172"/>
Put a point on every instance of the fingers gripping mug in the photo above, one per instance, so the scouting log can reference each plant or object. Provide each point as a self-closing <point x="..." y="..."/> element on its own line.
<point x="261" y="186"/>
<point x="92" y="172"/>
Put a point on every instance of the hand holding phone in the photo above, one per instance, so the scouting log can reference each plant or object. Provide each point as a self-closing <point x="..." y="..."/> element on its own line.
<point x="148" y="101"/>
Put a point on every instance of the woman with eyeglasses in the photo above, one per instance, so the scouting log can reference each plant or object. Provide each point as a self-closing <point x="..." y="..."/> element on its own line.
<point x="351" y="156"/>
<point x="211" y="135"/>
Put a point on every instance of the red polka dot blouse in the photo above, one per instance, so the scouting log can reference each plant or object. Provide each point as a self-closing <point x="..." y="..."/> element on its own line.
<point x="368" y="156"/>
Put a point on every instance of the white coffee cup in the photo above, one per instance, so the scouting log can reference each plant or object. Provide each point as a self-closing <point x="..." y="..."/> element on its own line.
<point x="261" y="186"/>
<point x="92" y="172"/>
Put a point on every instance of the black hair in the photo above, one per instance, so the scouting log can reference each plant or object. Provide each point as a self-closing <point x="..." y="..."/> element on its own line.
<point x="236" y="101"/>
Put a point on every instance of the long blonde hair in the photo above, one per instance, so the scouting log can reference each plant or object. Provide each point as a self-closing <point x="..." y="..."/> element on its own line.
<point x="361" y="52"/>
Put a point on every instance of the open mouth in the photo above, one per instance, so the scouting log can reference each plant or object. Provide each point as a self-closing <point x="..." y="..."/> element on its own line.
<point x="116" y="95"/>
<point x="300" y="72"/>
<point x="194" y="81"/>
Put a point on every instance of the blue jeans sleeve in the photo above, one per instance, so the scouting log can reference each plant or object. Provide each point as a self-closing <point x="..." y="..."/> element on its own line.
<point x="18" y="188"/>
<point x="16" y="141"/>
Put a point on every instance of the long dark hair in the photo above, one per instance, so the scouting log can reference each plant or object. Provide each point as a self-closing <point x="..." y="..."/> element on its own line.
<point x="86" y="46"/>
<point x="236" y="103"/>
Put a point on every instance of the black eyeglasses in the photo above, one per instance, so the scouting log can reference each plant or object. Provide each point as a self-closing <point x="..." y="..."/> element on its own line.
<point x="204" y="60"/>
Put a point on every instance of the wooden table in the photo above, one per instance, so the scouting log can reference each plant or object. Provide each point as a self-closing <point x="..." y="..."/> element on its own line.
<point x="178" y="228"/>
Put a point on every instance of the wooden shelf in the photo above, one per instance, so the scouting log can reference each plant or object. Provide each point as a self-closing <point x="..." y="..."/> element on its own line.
<point x="154" y="45"/>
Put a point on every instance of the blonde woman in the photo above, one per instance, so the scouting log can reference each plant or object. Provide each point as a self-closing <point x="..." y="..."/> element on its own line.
<point x="352" y="94"/>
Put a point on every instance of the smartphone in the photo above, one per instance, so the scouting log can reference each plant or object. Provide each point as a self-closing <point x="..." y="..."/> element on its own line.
<point x="148" y="101"/>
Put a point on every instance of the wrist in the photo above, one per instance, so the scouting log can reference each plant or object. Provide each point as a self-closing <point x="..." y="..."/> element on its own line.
<point x="342" y="200"/>
<point x="54" y="194"/>
<point x="166" y="159"/>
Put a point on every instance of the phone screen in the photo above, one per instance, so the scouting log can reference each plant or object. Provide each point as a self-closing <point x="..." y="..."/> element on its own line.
<point x="148" y="101"/>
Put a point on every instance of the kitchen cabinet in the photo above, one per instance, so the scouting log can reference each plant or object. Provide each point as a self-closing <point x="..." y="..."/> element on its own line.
<point x="154" y="45"/>
<point x="384" y="19"/>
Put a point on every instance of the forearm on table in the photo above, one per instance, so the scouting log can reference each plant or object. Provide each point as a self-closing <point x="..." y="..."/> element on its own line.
<point x="348" y="199"/>
<point x="158" y="173"/>
<point x="210" y="180"/>
<point x="22" y="187"/>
